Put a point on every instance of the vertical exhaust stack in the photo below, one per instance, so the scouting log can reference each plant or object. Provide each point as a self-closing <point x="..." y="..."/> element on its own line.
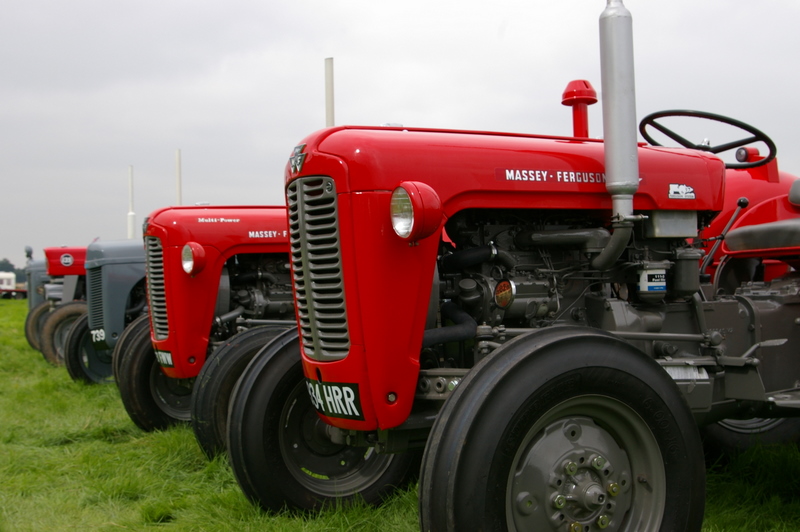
<point x="619" y="125"/>
<point x="619" y="106"/>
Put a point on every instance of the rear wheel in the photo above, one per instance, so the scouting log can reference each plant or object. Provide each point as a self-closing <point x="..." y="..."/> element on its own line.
<point x="279" y="448"/>
<point x="133" y="329"/>
<point x="33" y="324"/>
<point x="55" y="330"/>
<point x="214" y="384"/>
<point x="153" y="400"/>
<point x="732" y="273"/>
<point x="564" y="430"/>
<point x="732" y="436"/>
<point x="85" y="363"/>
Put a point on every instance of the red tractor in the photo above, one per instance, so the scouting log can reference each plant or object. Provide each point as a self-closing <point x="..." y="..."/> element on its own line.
<point x="217" y="282"/>
<point x="48" y="323"/>
<point x="547" y="337"/>
<point x="764" y="242"/>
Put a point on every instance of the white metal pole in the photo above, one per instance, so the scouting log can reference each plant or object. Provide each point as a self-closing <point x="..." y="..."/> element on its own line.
<point x="178" y="175"/>
<point x="329" y="92"/>
<point x="131" y="214"/>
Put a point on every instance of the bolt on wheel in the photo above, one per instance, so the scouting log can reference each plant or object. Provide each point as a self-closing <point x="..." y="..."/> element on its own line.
<point x="571" y="470"/>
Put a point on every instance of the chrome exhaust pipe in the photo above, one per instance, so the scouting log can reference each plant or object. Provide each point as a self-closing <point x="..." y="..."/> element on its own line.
<point x="619" y="125"/>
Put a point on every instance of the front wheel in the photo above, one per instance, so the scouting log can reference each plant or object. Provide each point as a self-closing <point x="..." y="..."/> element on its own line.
<point x="280" y="450"/>
<point x="153" y="400"/>
<point x="34" y="322"/>
<point x="55" y="330"/>
<point x="214" y="384"/>
<point x="565" y="429"/>
<point x="133" y="330"/>
<point x="85" y="363"/>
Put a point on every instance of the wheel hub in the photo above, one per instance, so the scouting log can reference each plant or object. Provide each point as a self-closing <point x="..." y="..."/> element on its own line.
<point x="572" y="473"/>
<point x="173" y="396"/>
<point x="314" y="435"/>
<point x="588" y="495"/>
<point x="319" y="464"/>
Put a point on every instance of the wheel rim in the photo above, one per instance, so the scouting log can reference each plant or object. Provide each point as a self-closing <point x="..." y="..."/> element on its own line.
<point x="96" y="364"/>
<point x="318" y="464"/>
<point x="751" y="426"/>
<point x="173" y="396"/>
<point x="590" y="463"/>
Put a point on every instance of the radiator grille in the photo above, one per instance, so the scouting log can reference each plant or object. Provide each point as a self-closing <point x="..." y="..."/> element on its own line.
<point x="94" y="282"/>
<point x="317" y="268"/>
<point x="156" y="294"/>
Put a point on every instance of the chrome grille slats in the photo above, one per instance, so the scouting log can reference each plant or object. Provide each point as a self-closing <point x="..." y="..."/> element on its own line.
<point x="156" y="292"/>
<point x="317" y="266"/>
<point x="94" y="283"/>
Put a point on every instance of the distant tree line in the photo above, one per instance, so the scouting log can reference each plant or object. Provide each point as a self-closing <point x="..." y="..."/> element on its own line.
<point x="6" y="266"/>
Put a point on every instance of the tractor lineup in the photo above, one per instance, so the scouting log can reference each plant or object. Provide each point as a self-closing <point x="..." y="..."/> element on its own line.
<point x="572" y="323"/>
<point x="58" y="299"/>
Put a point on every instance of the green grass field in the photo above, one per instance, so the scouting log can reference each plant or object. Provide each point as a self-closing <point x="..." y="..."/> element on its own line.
<point x="70" y="459"/>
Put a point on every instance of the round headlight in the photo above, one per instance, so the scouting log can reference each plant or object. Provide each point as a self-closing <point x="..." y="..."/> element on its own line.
<point x="416" y="210"/>
<point x="402" y="213"/>
<point x="187" y="259"/>
<point x="193" y="258"/>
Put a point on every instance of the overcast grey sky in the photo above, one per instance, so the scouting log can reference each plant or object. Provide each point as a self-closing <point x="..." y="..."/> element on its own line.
<point x="89" y="87"/>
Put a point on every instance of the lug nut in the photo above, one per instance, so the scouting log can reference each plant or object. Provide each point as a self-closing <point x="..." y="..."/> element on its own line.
<point x="570" y="468"/>
<point x="602" y="521"/>
<point x="599" y="462"/>
<point x="559" y="501"/>
<point x="613" y="489"/>
<point x="575" y="527"/>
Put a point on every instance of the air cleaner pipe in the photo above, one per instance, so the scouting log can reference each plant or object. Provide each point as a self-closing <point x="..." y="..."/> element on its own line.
<point x="230" y="316"/>
<point x="579" y="95"/>
<point x="619" y="125"/>
<point x="470" y="257"/>
<point x="255" y="276"/>
<point x="464" y="329"/>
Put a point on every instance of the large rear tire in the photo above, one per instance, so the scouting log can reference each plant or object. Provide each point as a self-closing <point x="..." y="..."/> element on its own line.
<point x="278" y="446"/>
<point x="153" y="400"/>
<point x="34" y="322"/>
<point x="85" y="363"/>
<point x="730" y="437"/>
<point x="217" y="378"/>
<point x="55" y="330"/>
<point x="732" y="273"/>
<point x="566" y="429"/>
<point x="133" y="330"/>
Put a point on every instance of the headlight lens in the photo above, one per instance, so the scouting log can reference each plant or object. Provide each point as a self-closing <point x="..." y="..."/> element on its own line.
<point x="402" y="213"/>
<point x="193" y="258"/>
<point x="187" y="259"/>
<point x="416" y="211"/>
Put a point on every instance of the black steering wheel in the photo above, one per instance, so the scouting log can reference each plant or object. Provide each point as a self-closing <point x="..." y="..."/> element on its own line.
<point x="741" y="155"/>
